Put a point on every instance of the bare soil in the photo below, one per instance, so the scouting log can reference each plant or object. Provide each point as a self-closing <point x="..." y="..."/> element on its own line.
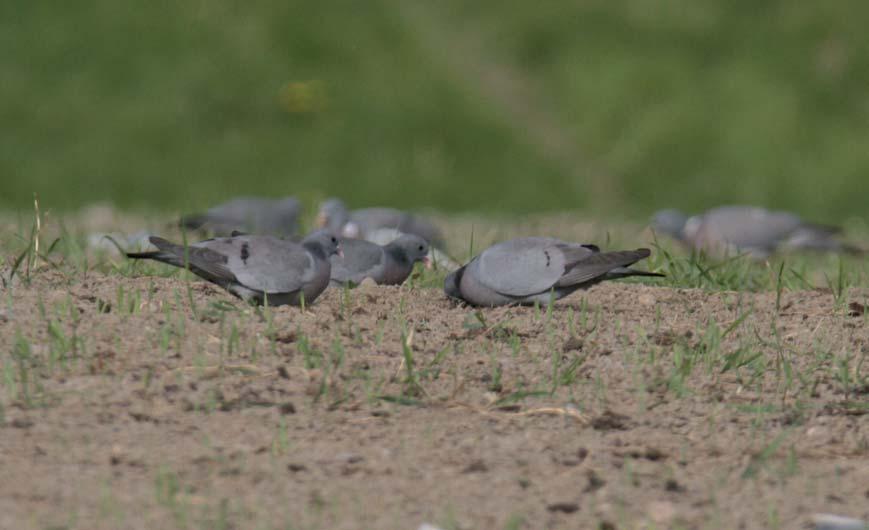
<point x="124" y="405"/>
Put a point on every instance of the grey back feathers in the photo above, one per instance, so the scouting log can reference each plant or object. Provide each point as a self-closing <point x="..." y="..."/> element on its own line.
<point x="390" y="264"/>
<point x="258" y="269"/>
<point x="535" y="269"/>
<point x="362" y="224"/>
<point x="259" y="215"/>
<point x="756" y="231"/>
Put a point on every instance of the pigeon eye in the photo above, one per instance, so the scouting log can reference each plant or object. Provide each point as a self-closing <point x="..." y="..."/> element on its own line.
<point x="334" y="240"/>
<point x="420" y="248"/>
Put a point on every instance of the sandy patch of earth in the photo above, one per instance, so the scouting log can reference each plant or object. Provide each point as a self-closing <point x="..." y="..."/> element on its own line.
<point x="154" y="402"/>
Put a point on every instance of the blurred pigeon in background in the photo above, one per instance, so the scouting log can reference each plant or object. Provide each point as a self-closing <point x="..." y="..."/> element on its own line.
<point x="390" y="264"/>
<point x="385" y="236"/>
<point x="257" y="269"/>
<point x="117" y="242"/>
<point x="756" y="231"/>
<point x="256" y="215"/>
<point x="364" y="224"/>
<point x="535" y="269"/>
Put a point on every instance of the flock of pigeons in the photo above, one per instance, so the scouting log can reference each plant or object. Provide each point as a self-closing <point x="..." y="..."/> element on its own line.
<point x="254" y="254"/>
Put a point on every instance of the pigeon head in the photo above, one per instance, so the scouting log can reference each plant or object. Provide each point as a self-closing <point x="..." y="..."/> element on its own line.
<point x="413" y="247"/>
<point x="333" y="214"/>
<point x="670" y="222"/>
<point x="324" y="243"/>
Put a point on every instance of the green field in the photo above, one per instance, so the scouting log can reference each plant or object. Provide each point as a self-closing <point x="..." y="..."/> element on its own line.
<point x="611" y="108"/>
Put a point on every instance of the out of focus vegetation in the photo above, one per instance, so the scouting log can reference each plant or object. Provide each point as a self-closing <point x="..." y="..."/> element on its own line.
<point x="456" y="105"/>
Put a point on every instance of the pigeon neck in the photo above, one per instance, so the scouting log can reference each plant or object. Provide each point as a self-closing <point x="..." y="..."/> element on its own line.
<point x="397" y="254"/>
<point x="316" y="249"/>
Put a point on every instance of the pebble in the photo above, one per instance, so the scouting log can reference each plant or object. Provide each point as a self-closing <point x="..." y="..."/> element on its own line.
<point x="646" y="299"/>
<point x="827" y="521"/>
<point x="662" y="512"/>
<point x="367" y="283"/>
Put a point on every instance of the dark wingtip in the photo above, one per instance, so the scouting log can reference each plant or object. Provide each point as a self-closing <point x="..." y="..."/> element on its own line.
<point x="142" y="255"/>
<point x="158" y="241"/>
<point x="192" y="222"/>
<point x="644" y="252"/>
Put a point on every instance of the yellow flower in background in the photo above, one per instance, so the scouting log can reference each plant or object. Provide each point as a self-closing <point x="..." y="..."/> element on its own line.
<point x="303" y="96"/>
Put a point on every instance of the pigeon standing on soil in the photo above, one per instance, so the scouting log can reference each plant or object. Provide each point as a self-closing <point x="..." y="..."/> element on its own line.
<point x="439" y="258"/>
<point x="537" y="269"/>
<point x="756" y="231"/>
<point x="257" y="269"/>
<point x="364" y="224"/>
<point x="258" y="215"/>
<point x="390" y="264"/>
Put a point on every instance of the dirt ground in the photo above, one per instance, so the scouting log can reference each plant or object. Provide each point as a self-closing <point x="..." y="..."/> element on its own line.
<point x="151" y="402"/>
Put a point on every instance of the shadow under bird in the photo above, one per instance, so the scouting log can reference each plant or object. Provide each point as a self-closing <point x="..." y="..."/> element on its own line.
<point x="257" y="269"/>
<point x="389" y="264"/>
<point x="537" y="269"/>
<point x="756" y="231"/>
<point x="364" y="224"/>
<point x="258" y="215"/>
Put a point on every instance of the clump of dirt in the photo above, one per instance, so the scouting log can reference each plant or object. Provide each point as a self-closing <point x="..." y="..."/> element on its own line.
<point x="155" y="402"/>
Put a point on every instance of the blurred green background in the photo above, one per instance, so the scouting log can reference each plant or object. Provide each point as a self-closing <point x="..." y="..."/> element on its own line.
<point x="598" y="106"/>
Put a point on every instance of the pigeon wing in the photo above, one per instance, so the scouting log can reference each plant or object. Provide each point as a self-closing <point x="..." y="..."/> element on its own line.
<point x="265" y="263"/>
<point x="205" y="261"/>
<point x="361" y="260"/>
<point x="749" y="227"/>
<point x="521" y="267"/>
<point x="592" y="265"/>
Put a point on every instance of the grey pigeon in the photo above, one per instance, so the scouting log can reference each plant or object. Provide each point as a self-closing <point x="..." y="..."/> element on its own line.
<point x="756" y="231"/>
<point x="257" y="215"/>
<point x="257" y="269"/>
<point x="534" y="269"/>
<point x="362" y="224"/>
<point x="385" y="236"/>
<point x="386" y="265"/>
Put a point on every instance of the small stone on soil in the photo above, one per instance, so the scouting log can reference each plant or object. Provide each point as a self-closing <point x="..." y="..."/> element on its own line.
<point x="563" y="507"/>
<point x="672" y="485"/>
<point x="22" y="423"/>
<point x="662" y="512"/>
<point x="573" y="344"/>
<point x="610" y="421"/>
<point x="594" y="482"/>
<point x="296" y="468"/>
<point x="477" y="466"/>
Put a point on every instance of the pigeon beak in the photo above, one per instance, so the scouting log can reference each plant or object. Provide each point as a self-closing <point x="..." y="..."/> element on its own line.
<point x="321" y="220"/>
<point x="427" y="262"/>
<point x="340" y="252"/>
